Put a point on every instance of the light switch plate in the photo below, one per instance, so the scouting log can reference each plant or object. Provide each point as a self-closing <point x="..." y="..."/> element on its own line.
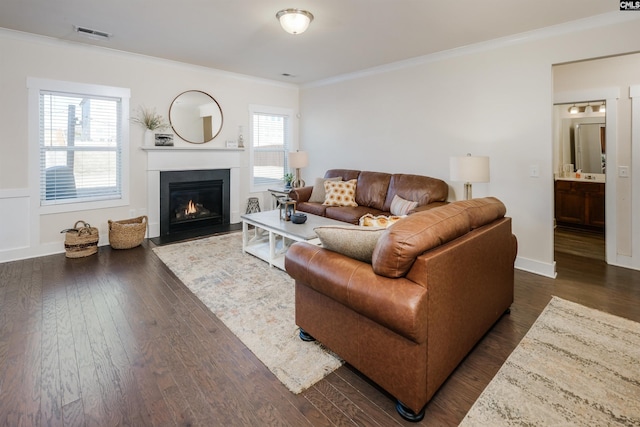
<point x="534" y="171"/>
<point x="623" y="171"/>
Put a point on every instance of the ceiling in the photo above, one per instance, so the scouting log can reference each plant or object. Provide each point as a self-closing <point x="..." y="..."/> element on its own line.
<point x="243" y="36"/>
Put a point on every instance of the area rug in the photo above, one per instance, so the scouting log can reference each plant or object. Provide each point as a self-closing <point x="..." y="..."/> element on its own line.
<point x="576" y="366"/>
<point x="255" y="301"/>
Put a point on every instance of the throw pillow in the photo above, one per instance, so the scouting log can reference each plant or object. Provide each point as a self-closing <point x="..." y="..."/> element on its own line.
<point x="340" y="193"/>
<point x="368" y="220"/>
<point x="350" y="240"/>
<point x="318" y="194"/>
<point x="400" y="206"/>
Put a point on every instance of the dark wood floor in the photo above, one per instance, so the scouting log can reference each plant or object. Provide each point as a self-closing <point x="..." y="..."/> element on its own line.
<point x="116" y="339"/>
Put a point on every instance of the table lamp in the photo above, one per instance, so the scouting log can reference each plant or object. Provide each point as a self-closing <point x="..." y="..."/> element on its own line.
<point x="298" y="159"/>
<point x="469" y="169"/>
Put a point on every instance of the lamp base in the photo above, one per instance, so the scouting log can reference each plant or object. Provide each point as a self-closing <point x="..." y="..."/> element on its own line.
<point x="298" y="182"/>
<point x="467" y="191"/>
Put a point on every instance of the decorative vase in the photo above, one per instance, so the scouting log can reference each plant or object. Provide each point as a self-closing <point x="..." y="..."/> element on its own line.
<point x="149" y="138"/>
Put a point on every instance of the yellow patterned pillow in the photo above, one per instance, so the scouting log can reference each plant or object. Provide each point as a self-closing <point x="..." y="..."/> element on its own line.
<point x="368" y="220"/>
<point x="340" y="193"/>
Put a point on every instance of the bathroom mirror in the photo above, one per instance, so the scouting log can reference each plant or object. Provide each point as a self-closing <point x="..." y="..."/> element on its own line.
<point x="589" y="147"/>
<point x="580" y="139"/>
<point x="195" y="116"/>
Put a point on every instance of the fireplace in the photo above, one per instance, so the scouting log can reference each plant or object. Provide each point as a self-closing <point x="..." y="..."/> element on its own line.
<point x="194" y="202"/>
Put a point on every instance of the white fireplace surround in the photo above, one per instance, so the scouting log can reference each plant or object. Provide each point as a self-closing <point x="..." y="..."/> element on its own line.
<point x="161" y="159"/>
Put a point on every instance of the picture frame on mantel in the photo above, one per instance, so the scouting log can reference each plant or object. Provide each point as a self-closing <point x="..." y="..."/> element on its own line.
<point x="164" y="140"/>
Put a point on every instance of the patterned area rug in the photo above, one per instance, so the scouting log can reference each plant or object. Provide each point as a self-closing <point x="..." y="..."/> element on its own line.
<point x="255" y="301"/>
<point x="576" y="366"/>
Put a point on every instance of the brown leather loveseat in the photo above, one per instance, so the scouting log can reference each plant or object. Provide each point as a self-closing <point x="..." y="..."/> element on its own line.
<point x="437" y="282"/>
<point x="374" y="193"/>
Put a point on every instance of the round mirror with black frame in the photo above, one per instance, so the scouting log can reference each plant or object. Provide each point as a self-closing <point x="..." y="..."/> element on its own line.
<point x="195" y="116"/>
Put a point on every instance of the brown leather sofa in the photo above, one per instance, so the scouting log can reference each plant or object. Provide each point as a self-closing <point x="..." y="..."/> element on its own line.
<point x="437" y="283"/>
<point x="374" y="194"/>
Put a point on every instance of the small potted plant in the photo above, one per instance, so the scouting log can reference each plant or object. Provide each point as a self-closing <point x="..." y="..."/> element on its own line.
<point x="288" y="179"/>
<point x="150" y="121"/>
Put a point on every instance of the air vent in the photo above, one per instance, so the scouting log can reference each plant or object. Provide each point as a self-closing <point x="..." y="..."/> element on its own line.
<point x="92" y="33"/>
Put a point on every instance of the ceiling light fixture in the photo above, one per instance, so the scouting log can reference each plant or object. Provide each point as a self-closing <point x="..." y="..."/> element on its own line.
<point x="602" y="109"/>
<point x="573" y="109"/>
<point x="294" y="21"/>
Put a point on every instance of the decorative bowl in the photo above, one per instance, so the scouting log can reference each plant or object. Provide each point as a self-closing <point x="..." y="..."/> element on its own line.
<point x="298" y="218"/>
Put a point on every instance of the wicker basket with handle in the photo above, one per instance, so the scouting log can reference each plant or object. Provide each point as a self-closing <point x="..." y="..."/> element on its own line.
<point x="127" y="233"/>
<point x="81" y="241"/>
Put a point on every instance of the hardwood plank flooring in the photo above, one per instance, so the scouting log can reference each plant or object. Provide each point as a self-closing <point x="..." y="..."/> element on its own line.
<point x="117" y="339"/>
<point x="584" y="243"/>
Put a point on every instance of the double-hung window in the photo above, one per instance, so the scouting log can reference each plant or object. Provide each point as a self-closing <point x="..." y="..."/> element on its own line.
<point x="81" y="144"/>
<point x="270" y="133"/>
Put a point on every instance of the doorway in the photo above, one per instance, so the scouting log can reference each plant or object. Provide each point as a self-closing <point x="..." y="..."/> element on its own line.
<point x="580" y="159"/>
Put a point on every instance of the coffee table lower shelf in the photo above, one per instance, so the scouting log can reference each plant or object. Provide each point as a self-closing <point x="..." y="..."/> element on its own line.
<point x="268" y="245"/>
<point x="267" y="237"/>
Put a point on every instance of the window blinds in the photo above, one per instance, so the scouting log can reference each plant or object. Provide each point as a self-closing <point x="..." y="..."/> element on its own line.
<point x="80" y="148"/>
<point x="270" y="148"/>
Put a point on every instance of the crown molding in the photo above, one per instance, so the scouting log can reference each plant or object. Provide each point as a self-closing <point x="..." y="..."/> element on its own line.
<point x="602" y="20"/>
<point x="53" y="41"/>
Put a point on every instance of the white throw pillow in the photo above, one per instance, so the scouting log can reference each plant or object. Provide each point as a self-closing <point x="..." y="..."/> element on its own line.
<point x="400" y="206"/>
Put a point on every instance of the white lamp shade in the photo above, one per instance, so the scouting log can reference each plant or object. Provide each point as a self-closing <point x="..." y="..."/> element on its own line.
<point x="298" y="159"/>
<point x="469" y="168"/>
<point x="294" y="21"/>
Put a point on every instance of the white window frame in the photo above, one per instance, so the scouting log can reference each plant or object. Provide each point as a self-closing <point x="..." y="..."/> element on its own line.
<point x="288" y="146"/>
<point x="35" y="86"/>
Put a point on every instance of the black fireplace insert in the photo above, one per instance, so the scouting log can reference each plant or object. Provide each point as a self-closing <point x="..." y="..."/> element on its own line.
<point x="194" y="201"/>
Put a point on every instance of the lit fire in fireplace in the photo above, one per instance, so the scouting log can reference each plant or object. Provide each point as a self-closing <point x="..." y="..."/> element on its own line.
<point x="191" y="210"/>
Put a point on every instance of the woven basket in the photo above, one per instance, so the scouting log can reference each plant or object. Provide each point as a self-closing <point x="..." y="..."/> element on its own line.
<point x="81" y="241"/>
<point x="127" y="233"/>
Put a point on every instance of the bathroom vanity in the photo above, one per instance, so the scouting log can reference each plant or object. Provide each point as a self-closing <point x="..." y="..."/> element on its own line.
<point x="579" y="203"/>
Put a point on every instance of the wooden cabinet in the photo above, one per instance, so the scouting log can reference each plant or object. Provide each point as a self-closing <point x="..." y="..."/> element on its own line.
<point x="580" y="204"/>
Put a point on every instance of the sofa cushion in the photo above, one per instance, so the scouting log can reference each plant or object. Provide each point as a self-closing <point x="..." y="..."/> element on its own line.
<point x="400" y="206"/>
<point x="346" y="174"/>
<point x="340" y="193"/>
<point x="372" y="189"/>
<point x="350" y="215"/>
<point x="483" y="211"/>
<point x="350" y="240"/>
<point x="318" y="194"/>
<point x="398" y="248"/>
<point x="418" y="188"/>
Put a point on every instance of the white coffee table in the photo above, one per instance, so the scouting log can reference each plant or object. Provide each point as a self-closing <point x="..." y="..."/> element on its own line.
<point x="271" y="236"/>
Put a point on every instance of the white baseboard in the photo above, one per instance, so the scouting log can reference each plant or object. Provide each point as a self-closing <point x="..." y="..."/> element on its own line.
<point x="536" y="267"/>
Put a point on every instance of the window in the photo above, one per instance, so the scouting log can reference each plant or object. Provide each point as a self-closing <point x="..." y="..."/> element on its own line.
<point x="81" y="135"/>
<point x="270" y="142"/>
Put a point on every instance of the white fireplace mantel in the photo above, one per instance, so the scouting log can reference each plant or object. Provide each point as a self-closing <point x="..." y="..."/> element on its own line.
<point x="190" y="158"/>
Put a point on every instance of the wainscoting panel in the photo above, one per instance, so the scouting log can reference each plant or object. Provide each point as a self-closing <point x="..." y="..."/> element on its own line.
<point x="14" y="226"/>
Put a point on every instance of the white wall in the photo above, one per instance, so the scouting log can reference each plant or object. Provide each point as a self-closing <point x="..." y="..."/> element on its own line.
<point x="153" y="83"/>
<point x="494" y="99"/>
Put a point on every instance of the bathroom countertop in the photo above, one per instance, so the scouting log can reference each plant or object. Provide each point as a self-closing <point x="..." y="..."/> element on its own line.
<point x="589" y="177"/>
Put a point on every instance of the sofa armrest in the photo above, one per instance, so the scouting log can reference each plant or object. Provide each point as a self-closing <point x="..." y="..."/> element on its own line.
<point x="301" y="194"/>
<point x="398" y="304"/>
